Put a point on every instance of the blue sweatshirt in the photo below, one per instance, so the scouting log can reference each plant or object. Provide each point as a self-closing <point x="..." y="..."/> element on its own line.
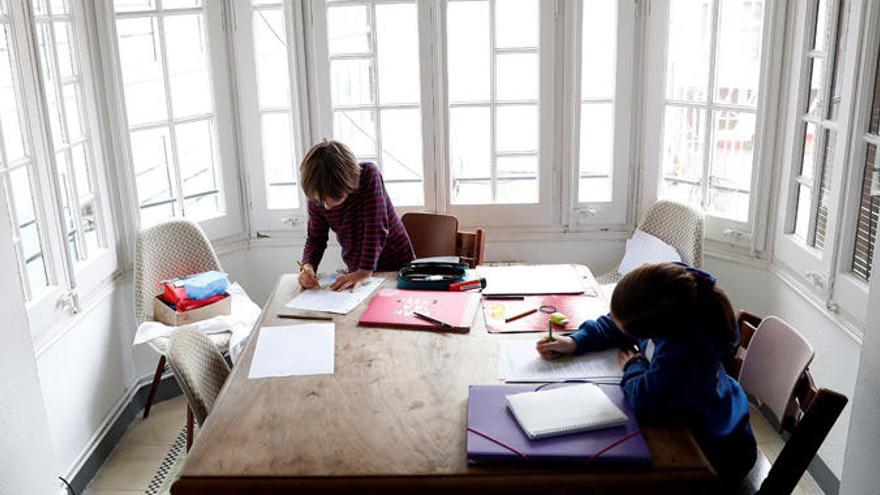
<point x="684" y="382"/>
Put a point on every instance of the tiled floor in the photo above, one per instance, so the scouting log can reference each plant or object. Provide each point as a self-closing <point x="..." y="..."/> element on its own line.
<point x="130" y="467"/>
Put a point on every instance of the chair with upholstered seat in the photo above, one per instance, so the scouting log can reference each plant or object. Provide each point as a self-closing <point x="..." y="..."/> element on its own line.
<point x="438" y="235"/>
<point x="772" y="365"/>
<point x="676" y="224"/>
<point x="169" y="250"/>
<point x="200" y="370"/>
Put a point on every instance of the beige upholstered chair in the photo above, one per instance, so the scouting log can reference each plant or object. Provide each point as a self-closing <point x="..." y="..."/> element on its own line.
<point x="165" y="251"/>
<point x="200" y="371"/>
<point x="676" y="224"/>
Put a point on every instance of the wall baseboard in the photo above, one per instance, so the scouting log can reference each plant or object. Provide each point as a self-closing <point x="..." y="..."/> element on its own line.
<point x="168" y="389"/>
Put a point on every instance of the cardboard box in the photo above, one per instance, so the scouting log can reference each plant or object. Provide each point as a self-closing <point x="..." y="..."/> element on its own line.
<point x="164" y="313"/>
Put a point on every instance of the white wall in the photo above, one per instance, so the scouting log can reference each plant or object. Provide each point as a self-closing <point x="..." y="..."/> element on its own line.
<point x="27" y="460"/>
<point x="835" y="365"/>
<point x="861" y="474"/>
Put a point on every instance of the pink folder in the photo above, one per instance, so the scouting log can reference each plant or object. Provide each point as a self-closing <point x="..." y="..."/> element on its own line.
<point x="394" y="308"/>
<point x="577" y="308"/>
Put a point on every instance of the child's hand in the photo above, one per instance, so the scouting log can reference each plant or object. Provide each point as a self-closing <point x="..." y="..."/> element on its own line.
<point x="624" y="356"/>
<point x="307" y="277"/>
<point x="351" y="280"/>
<point x="559" y="346"/>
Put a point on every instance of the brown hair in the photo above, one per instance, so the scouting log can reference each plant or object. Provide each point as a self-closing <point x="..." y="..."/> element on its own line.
<point x="658" y="299"/>
<point x="329" y="171"/>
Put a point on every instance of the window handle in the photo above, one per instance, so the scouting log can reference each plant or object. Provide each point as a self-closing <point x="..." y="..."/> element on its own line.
<point x="292" y="221"/>
<point x="735" y="233"/>
<point x="815" y="279"/>
<point x="70" y="300"/>
<point x="590" y="211"/>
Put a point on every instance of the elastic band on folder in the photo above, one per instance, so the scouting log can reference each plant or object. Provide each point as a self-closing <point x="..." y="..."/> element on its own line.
<point x="527" y="458"/>
<point x="499" y="443"/>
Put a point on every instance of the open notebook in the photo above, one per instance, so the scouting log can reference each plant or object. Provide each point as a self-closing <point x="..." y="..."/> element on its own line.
<point x="564" y="410"/>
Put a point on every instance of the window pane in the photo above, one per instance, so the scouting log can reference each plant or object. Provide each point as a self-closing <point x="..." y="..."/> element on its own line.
<point x="739" y="52"/>
<point x="823" y="13"/>
<point x="401" y="159"/>
<point x="181" y="4"/>
<point x="516" y="76"/>
<point x="141" y="65"/>
<point x="196" y="162"/>
<point x="69" y="205"/>
<point x="63" y="31"/>
<point x="187" y="55"/>
<point x="348" y="29"/>
<point x="517" y="179"/>
<point x="839" y="54"/>
<point x="596" y="152"/>
<point x="397" y="40"/>
<point x="154" y="175"/>
<point x="516" y="128"/>
<point x="468" y="51"/>
<point x="352" y="82"/>
<point x="133" y="5"/>
<point x="690" y="34"/>
<point x="80" y="160"/>
<point x="732" y="153"/>
<point x="874" y="124"/>
<point x="599" y="45"/>
<point x="270" y="45"/>
<point x="808" y="158"/>
<point x="684" y="138"/>
<point x="72" y="94"/>
<point x="814" y="96"/>
<point x="470" y="155"/>
<point x="20" y="194"/>
<point x="10" y="122"/>
<point x="802" y="220"/>
<point x="869" y="214"/>
<point x="516" y="23"/>
<point x="357" y="129"/>
<point x="278" y="160"/>
<point x="825" y="189"/>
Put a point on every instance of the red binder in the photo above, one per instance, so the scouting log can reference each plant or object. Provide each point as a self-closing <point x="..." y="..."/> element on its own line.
<point x="394" y="308"/>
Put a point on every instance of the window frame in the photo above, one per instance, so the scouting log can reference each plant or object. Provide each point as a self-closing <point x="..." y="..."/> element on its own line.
<point x="582" y="214"/>
<point x="230" y="222"/>
<point x="723" y="232"/>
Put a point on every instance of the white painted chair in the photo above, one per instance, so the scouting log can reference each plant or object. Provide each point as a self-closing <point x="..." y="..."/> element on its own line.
<point x="200" y="370"/>
<point x="676" y="224"/>
<point x="165" y="251"/>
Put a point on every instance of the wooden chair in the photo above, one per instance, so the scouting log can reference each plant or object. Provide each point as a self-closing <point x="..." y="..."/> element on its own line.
<point x="438" y="235"/>
<point x="165" y="251"/>
<point x="200" y="370"/>
<point x="772" y="365"/>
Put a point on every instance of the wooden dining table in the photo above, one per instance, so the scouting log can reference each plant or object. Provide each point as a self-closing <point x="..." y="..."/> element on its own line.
<point x="392" y="419"/>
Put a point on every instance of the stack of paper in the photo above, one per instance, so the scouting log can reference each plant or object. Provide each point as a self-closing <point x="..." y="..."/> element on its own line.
<point x="532" y="279"/>
<point x="329" y="301"/>
<point x="294" y="350"/>
<point x="518" y="361"/>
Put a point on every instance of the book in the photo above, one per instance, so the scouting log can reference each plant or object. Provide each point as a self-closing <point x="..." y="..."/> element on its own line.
<point x="396" y="308"/>
<point x="564" y="410"/>
<point x="495" y="437"/>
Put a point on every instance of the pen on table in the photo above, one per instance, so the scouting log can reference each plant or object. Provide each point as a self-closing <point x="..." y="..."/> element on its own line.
<point x="430" y="319"/>
<point x="302" y="268"/>
<point x="305" y="317"/>
<point x="521" y="315"/>
<point x="504" y="298"/>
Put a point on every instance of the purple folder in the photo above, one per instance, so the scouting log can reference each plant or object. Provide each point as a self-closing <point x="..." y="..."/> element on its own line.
<point x="488" y="414"/>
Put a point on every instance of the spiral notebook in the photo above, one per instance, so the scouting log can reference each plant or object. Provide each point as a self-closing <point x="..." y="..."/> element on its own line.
<point x="560" y="411"/>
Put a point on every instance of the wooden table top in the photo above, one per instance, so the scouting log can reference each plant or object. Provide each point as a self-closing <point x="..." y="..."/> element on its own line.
<point x="392" y="418"/>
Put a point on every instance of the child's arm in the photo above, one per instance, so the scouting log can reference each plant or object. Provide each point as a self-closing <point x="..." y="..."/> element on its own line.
<point x="375" y="218"/>
<point x="656" y="389"/>
<point x="598" y="335"/>
<point x="316" y="237"/>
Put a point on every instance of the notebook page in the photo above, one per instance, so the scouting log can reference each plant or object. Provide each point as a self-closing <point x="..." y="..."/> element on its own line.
<point x="329" y="301"/>
<point x="520" y="362"/>
<point x="564" y="410"/>
<point x="292" y="350"/>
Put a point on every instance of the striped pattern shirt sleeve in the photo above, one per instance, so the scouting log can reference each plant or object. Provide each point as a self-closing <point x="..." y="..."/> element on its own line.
<point x="375" y="218"/>
<point x="316" y="236"/>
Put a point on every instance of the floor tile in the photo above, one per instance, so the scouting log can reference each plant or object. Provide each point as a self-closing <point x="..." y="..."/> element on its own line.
<point x="130" y="468"/>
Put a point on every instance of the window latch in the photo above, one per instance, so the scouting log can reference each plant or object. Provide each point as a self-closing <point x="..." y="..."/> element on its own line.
<point x="816" y="279"/>
<point x="292" y="221"/>
<point x="590" y="211"/>
<point x="735" y="233"/>
<point x="70" y="300"/>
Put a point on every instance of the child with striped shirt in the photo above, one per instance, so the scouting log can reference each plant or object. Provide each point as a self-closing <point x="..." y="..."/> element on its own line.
<point x="350" y="199"/>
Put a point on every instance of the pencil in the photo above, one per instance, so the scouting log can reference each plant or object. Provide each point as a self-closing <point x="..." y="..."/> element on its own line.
<point x="521" y="315"/>
<point x="305" y="317"/>
<point x="435" y="321"/>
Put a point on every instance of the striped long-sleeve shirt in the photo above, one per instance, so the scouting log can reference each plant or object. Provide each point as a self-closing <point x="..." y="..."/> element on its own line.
<point x="369" y="231"/>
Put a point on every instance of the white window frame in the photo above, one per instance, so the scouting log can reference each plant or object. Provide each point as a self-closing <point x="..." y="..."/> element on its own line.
<point x="71" y="284"/>
<point x="263" y="218"/>
<point x="748" y="235"/>
<point x="615" y="212"/>
<point x="229" y="223"/>
<point x="815" y="266"/>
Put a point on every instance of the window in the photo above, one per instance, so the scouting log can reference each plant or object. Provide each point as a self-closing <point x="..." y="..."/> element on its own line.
<point x="179" y="132"/>
<point x="372" y="69"/>
<point x="708" y="114"/>
<point x="869" y="195"/>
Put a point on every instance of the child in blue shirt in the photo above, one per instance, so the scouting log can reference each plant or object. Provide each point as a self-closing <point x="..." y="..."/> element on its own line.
<point x="683" y="326"/>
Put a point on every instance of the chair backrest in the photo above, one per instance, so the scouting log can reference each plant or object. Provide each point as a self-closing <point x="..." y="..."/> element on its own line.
<point x="433" y="234"/>
<point x="199" y="368"/>
<point x="168" y="250"/>
<point x="678" y="225"/>
<point x="774" y="362"/>
<point x="820" y="412"/>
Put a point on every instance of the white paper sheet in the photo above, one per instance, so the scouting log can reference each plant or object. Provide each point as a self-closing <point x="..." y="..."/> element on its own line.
<point x="328" y="301"/>
<point x="518" y="361"/>
<point x="532" y="279"/>
<point x="643" y="248"/>
<point x="294" y="350"/>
